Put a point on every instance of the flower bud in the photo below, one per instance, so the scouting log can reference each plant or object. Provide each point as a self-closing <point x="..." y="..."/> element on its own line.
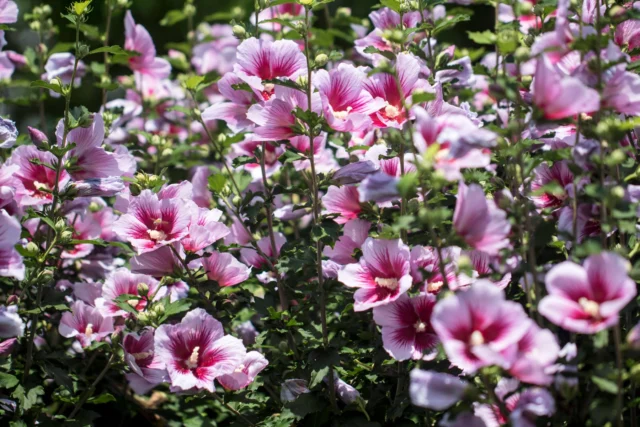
<point x="66" y="235"/>
<point x="633" y="338"/>
<point x="60" y="225"/>
<point x="321" y="60"/>
<point x="239" y="31"/>
<point x="143" y="317"/>
<point x="237" y="200"/>
<point x="343" y="12"/>
<point x="37" y="137"/>
<point x="618" y="192"/>
<point x="13" y="299"/>
<point x="525" y="7"/>
<point x="522" y="53"/>
<point x="305" y="2"/>
<point x="143" y="289"/>
<point x="158" y="310"/>
<point x="291" y="389"/>
<point x="32" y="248"/>
<point x="189" y="10"/>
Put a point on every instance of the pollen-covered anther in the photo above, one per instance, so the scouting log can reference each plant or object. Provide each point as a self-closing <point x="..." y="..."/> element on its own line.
<point x="420" y="326"/>
<point x="157" y="234"/>
<point x="476" y="338"/>
<point x="592" y="308"/>
<point x="390" y="283"/>
<point x="342" y="114"/>
<point x="88" y="330"/>
<point x="192" y="361"/>
<point x="391" y="111"/>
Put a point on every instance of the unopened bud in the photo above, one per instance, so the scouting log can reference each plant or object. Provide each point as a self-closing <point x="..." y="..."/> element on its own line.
<point x="13" y="299"/>
<point x="239" y="31"/>
<point x="37" y="137"/>
<point x="32" y="248"/>
<point x="237" y="200"/>
<point x="525" y="7"/>
<point x="143" y="289"/>
<point x="66" y="235"/>
<point x="522" y="53"/>
<point x="189" y="10"/>
<point x="143" y="317"/>
<point x="618" y="192"/>
<point x="343" y="12"/>
<point x="158" y="309"/>
<point x="60" y="225"/>
<point x="321" y="60"/>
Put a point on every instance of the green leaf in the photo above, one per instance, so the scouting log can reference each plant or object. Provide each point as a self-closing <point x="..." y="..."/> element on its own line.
<point x="217" y="182"/>
<point x="50" y="307"/>
<point x="605" y="385"/>
<point x="193" y="82"/>
<point x="391" y="4"/>
<point x="484" y="37"/>
<point x="175" y="307"/>
<point x="27" y="399"/>
<point x="122" y="301"/>
<point x="103" y="398"/>
<point x="114" y="50"/>
<point x="408" y="184"/>
<point x="8" y="380"/>
<point x="173" y="17"/>
<point x="46" y="85"/>
<point x="421" y="97"/>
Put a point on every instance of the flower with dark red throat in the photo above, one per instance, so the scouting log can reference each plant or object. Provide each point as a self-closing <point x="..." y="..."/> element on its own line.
<point x="385" y="86"/>
<point x="260" y="60"/>
<point x="406" y="326"/>
<point x="85" y="323"/>
<point x="151" y="223"/>
<point x="478" y="326"/>
<point x="346" y="102"/>
<point x="35" y="182"/>
<point x="587" y="299"/>
<point x="123" y="282"/>
<point x="382" y="275"/>
<point x="196" y="351"/>
<point x="147" y="370"/>
<point x="544" y="177"/>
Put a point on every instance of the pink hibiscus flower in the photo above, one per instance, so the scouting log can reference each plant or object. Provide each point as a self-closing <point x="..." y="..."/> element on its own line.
<point x="137" y="39"/>
<point x="151" y="222"/>
<point x="478" y="327"/>
<point x="537" y="352"/>
<point x="34" y="182"/>
<point x="406" y="326"/>
<point x="147" y="370"/>
<point x="85" y="323"/>
<point x="384" y="86"/>
<point x="260" y="60"/>
<point x="354" y="234"/>
<point x="123" y="282"/>
<point x="382" y="275"/>
<point x="436" y="390"/>
<point x="544" y="176"/>
<point x="204" y="230"/>
<point x="561" y="96"/>
<point x="343" y="201"/>
<point x="225" y="269"/>
<point x="245" y="373"/>
<point x="196" y="351"/>
<point x="479" y="221"/>
<point x="587" y="299"/>
<point x="346" y="102"/>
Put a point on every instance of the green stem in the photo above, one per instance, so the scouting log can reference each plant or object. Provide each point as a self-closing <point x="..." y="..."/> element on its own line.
<point x="619" y="376"/>
<point x="316" y="207"/>
<point x="87" y="394"/>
